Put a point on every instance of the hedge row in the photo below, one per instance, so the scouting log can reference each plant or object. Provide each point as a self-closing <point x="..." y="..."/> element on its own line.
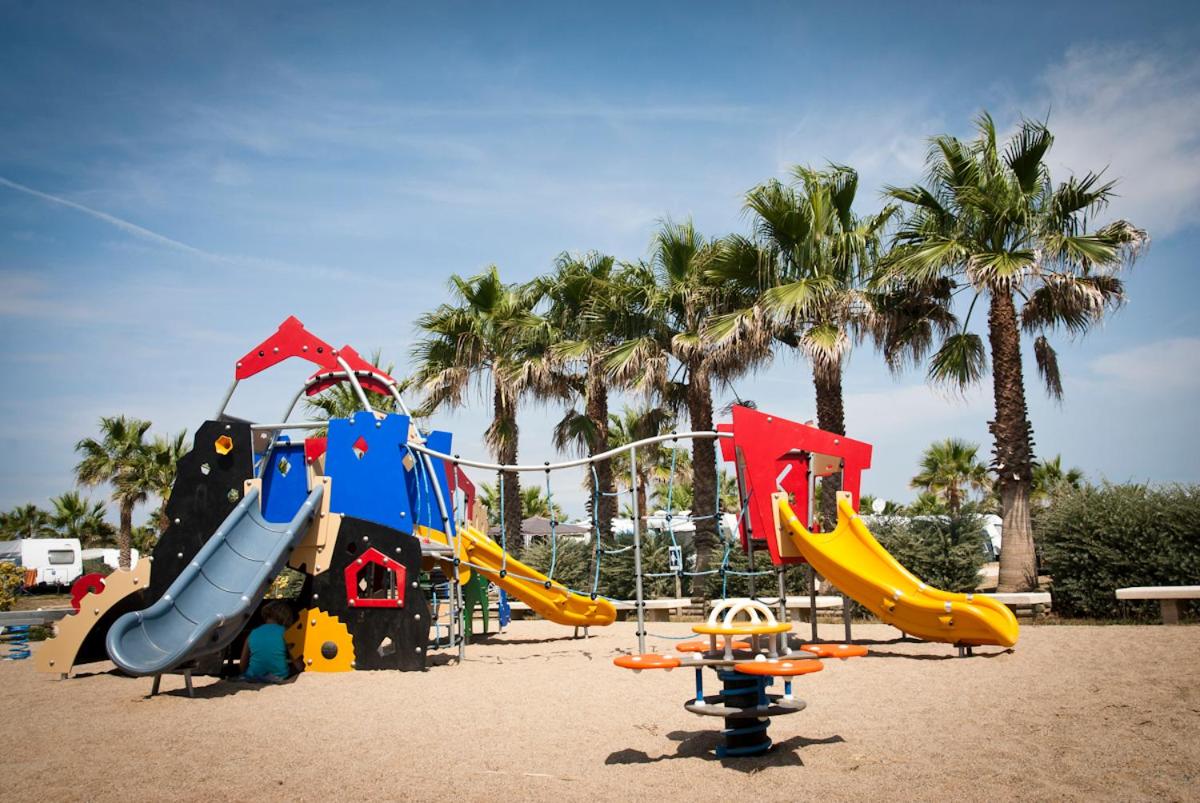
<point x="1095" y="540"/>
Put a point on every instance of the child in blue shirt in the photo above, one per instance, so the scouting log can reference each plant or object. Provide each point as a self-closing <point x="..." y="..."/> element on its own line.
<point x="265" y="655"/>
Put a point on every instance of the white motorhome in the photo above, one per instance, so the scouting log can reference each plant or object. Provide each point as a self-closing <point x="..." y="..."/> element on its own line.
<point x="111" y="557"/>
<point x="58" y="561"/>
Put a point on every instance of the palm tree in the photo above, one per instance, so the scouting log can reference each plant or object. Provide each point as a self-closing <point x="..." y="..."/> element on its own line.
<point x="635" y="424"/>
<point x="668" y="304"/>
<point x="581" y="314"/>
<point x="1049" y="477"/>
<point x="27" y="521"/>
<point x="806" y="279"/>
<point x="121" y="458"/>
<point x="486" y="339"/>
<point x="950" y="469"/>
<point x="533" y="503"/>
<point x="995" y="222"/>
<point x="77" y="517"/>
<point x="927" y="503"/>
<point x="164" y="455"/>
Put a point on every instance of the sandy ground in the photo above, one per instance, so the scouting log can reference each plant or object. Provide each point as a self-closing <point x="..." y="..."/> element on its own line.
<point x="1072" y="713"/>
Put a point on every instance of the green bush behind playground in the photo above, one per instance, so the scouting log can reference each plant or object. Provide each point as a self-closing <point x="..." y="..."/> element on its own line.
<point x="945" y="551"/>
<point x="1097" y="539"/>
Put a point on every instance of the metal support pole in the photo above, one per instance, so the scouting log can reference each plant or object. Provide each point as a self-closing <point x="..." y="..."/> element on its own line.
<point x="275" y="434"/>
<point x="358" y="388"/>
<point x="225" y="401"/>
<point x="783" y="615"/>
<point x="637" y="553"/>
<point x="750" y="575"/>
<point x="846" y="602"/>
<point x="812" y="599"/>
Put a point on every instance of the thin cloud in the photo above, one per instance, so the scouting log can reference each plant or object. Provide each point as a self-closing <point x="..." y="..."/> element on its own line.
<point x="1135" y="112"/>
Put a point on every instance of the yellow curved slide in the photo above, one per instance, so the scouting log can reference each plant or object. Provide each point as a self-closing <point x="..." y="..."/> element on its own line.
<point x="851" y="559"/>
<point x="555" y="603"/>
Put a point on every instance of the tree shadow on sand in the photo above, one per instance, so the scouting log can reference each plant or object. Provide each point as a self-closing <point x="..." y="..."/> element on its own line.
<point x="703" y="745"/>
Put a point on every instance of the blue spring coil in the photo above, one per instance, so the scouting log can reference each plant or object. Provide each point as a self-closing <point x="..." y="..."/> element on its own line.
<point x="17" y="638"/>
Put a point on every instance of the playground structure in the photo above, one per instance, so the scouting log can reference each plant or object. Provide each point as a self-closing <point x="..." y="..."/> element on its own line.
<point x="363" y="508"/>
<point x="778" y="462"/>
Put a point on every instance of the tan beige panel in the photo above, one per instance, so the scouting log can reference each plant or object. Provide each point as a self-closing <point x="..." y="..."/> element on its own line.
<point x="787" y="547"/>
<point x="314" y="553"/>
<point x="58" y="654"/>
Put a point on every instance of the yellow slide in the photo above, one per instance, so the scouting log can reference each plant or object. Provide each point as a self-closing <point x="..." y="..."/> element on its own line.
<point x="851" y="559"/>
<point x="555" y="603"/>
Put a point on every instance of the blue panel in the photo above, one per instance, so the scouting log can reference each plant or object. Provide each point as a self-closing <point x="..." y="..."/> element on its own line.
<point x="420" y="489"/>
<point x="284" y="482"/>
<point x="369" y="482"/>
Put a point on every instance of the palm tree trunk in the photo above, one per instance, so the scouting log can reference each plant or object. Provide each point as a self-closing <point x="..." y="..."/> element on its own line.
<point x="597" y="410"/>
<point x="125" y="535"/>
<point x="831" y="417"/>
<point x="1014" y="447"/>
<point x="643" y="482"/>
<point x="510" y="483"/>
<point x="704" y="469"/>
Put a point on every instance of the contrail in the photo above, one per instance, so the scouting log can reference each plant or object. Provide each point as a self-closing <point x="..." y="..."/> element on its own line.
<point x="112" y="220"/>
<point x="318" y="272"/>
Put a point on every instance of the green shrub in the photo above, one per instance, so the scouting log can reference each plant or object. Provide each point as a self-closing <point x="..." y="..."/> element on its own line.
<point x="570" y="563"/>
<point x="944" y="551"/>
<point x="12" y="577"/>
<point x="96" y="566"/>
<point x="1097" y="539"/>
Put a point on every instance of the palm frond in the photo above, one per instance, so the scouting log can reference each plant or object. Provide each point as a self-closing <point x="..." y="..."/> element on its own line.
<point x="1047" y="364"/>
<point x="961" y="361"/>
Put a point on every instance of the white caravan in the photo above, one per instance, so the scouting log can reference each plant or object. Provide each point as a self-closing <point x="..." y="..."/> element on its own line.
<point x="110" y="556"/>
<point x="58" y="561"/>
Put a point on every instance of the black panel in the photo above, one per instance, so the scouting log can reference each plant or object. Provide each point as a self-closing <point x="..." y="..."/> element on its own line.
<point x="200" y="499"/>
<point x="407" y="627"/>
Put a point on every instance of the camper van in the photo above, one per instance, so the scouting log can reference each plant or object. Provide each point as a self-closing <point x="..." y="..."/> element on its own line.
<point x="110" y="556"/>
<point x="57" y="561"/>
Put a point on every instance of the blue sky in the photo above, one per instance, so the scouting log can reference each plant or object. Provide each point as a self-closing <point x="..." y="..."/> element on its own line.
<point x="176" y="179"/>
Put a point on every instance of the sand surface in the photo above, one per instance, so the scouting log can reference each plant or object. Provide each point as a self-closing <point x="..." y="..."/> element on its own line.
<point x="1072" y="713"/>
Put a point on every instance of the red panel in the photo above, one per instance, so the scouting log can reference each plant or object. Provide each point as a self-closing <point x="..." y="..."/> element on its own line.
<point x="726" y="443"/>
<point x="373" y="555"/>
<point x="314" y="448"/>
<point x="93" y="582"/>
<point x="769" y="445"/>
<point x="462" y="482"/>
<point x="290" y="340"/>
<point x="357" y="363"/>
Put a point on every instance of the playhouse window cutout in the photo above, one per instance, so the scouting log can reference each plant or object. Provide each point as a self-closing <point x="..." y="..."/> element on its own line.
<point x="375" y="581"/>
<point x="360" y="447"/>
<point x="284" y="466"/>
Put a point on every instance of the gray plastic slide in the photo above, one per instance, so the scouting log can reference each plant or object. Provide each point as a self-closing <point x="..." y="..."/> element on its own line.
<point x="209" y="603"/>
